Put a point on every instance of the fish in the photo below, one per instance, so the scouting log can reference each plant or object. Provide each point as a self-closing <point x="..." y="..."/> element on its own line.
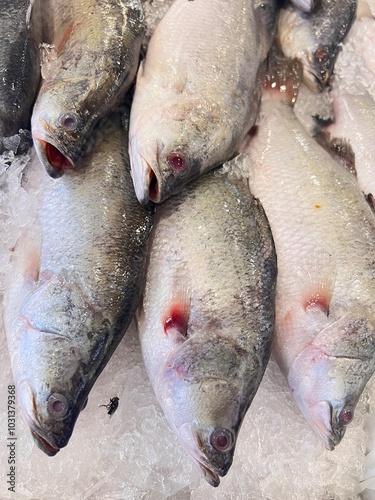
<point x="75" y="283"/>
<point x="90" y="57"/>
<point x="315" y="38"/>
<point x="324" y="233"/>
<point x="354" y="120"/>
<point x="19" y="64"/>
<point x="206" y="318"/>
<point x="197" y="91"/>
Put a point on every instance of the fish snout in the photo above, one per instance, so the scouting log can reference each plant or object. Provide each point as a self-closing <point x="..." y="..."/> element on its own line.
<point x="52" y="159"/>
<point x="211" y="449"/>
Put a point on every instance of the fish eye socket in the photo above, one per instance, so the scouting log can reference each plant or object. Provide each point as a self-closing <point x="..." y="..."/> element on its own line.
<point x="69" y="121"/>
<point x="57" y="405"/>
<point x="222" y="440"/>
<point x="177" y="161"/>
<point x="346" y="416"/>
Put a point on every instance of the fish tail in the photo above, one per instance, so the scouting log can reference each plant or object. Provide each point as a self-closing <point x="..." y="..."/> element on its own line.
<point x="283" y="76"/>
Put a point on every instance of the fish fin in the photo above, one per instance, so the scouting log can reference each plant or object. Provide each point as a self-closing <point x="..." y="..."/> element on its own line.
<point x="318" y="277"/>
<point x="339" y="149"/>
<point x="283" y="76"/>
<point x="177" y="313"/>
<point x="27" y="253"/>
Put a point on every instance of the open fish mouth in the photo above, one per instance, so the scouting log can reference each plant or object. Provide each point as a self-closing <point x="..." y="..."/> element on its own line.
<point x="53" y="160"/>
<point x="44" y="445"/>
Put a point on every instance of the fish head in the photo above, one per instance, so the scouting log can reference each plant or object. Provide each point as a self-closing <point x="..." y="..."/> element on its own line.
<point x="205" y="390"/>
<point x="298" y="40"/>
<point x="327" y="378"/>
<point x="173" y="146"/>
<point x="51" y="415"/>
<point x="62" y="124"/>
<point x="64" y="344"/>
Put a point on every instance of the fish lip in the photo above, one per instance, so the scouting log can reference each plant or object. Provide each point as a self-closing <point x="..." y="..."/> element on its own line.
<point x="145" y="181"/>
<point x="43" y="444"/>
<point x="319" y="417"/>
<point x="40" y="142"/>
<point x="314" y="82"/>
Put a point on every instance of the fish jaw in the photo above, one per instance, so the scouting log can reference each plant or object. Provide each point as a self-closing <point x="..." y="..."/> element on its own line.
<point x="189" y="437"/>
<point x="143" y="175"/>
<point x="327" y="388"/>
<point x="51" y="157"/>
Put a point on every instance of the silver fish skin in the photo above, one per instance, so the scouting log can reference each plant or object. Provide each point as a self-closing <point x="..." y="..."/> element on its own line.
<point x="324" y="234"/>
<point x="76" y="282"/>
<point x="315" y="37"/>
<point x="197" y="91"/>
<point x="91" y="54"/>
<point x="207" y="314"/>
<point x="354" y="122"/>
<point x="20" y="24"/>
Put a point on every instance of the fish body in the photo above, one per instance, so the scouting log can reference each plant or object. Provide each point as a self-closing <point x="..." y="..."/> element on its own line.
<point x="75" y="284"/>
<point x="197" y="91"/>
<point x="324" y="234"/>
<point x="91" y="54"/>
<point x="354" y="122"/>
<point x="315" y="37"/>
<point x="19" y="64"/>
<point x="206" y="318"/>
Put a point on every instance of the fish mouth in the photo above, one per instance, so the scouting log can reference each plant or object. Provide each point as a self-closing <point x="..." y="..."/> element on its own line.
<point x="52" y="158"/>
<point x="43" y="444"/>
<point x="319" y="417"/>
<point x="194" y="446"/>
<point x="316" y="82"/>
<point x="145" y="181"/>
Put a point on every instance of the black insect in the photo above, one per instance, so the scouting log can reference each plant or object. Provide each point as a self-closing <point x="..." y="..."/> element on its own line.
<point x="112" y="405"/>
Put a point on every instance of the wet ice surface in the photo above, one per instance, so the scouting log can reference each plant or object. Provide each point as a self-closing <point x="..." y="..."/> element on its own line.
<point x="135" y="455"/>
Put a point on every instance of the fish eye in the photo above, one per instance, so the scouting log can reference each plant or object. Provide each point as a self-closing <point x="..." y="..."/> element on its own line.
<point x="222" y="440"/>
<point x="177" y="161"/>
<point x="346" y="416"/>
<point x="57" y="405"/>
<point x="69" y="121"/>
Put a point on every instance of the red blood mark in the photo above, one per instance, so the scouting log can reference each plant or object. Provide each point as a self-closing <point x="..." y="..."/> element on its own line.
<point x="177" y="161"/>
<point x="317" y="302"/>
<point x="56" y="159"/>
<point x="176" y="322"/>
<point x="64" y="38"/>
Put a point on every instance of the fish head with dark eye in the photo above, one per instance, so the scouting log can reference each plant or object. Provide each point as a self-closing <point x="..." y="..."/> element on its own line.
<point x="61" y="128"/>
<point x="170" y="147"/>
<point x="327" y="389"/>
<point x="205" y="390"/>
<point x="51" y="415"/>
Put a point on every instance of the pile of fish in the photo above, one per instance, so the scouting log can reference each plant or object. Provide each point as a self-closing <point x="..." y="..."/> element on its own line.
<point x="136" y="217"/>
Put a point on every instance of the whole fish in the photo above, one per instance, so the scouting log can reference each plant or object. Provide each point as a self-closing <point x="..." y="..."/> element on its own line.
<point x="75" y="284"/>
<point x="197" y="92"/>
<point x="91" y="54"/>
<point x="354" y="122"/>
<point x="207" y="315"/>
<point x="19" y="64"/>
<point x="324" y="234"/>
<point x="315" y="38"/>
